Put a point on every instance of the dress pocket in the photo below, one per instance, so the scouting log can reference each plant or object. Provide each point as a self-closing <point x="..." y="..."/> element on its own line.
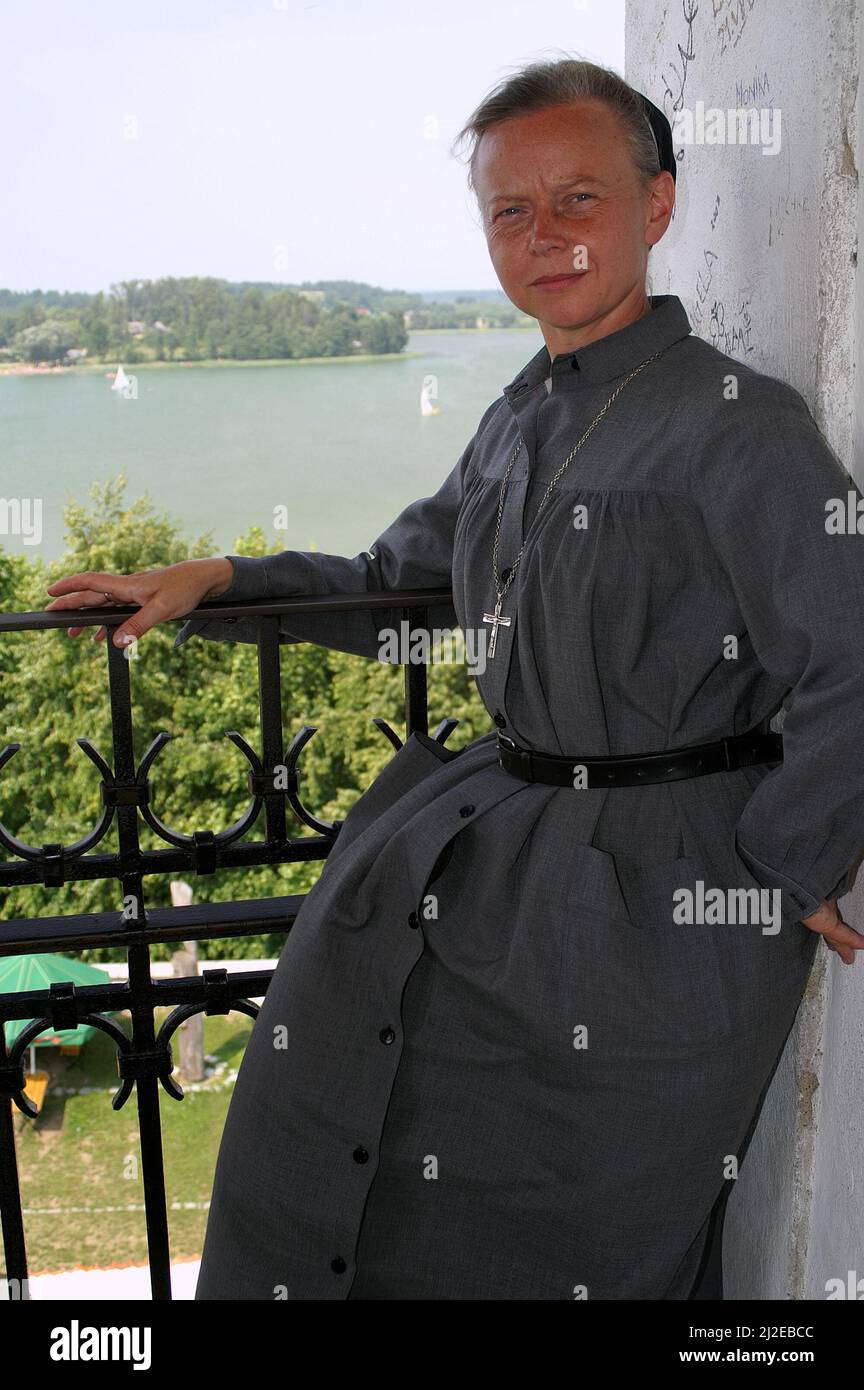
<point x="594" y="884"/>
<point x="682" y="892"/>
<point x="653" y="892"/>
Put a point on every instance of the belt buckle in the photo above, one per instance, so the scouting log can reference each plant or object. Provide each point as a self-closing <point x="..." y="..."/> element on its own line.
<point x="730" y="751"/>
<point x="525" y="756"/>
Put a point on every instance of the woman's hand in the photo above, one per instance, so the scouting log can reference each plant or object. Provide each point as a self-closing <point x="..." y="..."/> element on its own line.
<point x="837" y="934"/>
<point x="170" y="592"/>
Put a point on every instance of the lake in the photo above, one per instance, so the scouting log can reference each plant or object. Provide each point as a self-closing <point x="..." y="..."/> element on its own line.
<point x="341" y="446"/>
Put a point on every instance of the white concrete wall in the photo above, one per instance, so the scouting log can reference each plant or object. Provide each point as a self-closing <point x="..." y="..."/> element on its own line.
<point x="762" y="251"/>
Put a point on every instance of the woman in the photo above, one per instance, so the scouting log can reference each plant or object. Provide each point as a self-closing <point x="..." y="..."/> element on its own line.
<point x="495" y="1060"/>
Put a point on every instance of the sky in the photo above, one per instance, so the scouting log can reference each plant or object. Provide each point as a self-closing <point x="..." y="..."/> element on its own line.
<point x="276" y="140"/>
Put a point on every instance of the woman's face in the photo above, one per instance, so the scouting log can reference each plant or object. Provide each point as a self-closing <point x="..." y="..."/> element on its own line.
<point x="560" y="196"/>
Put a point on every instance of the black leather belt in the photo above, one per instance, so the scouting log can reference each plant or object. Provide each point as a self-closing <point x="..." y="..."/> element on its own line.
<point x="760" y="745"/>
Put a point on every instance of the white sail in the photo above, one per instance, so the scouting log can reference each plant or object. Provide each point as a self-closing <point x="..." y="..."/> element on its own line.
<point x="121" y="381"/>
<point x="427" y="404"/>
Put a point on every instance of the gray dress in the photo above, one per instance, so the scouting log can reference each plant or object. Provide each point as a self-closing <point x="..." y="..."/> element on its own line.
<point x="492" y="1064"/>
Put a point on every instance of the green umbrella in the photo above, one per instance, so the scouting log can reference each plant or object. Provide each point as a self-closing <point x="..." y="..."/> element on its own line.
<point x="19" y="973"/>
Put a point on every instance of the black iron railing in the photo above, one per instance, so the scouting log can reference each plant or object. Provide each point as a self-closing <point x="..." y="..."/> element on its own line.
<point x="144" y="1059"/>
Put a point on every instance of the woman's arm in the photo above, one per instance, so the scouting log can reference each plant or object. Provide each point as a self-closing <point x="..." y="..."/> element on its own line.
<point x="764" y="480"/>
<point x="414" y="552"/>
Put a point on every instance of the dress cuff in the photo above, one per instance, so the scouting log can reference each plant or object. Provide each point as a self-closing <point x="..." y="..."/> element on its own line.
<point x="249" y="580"/>
<point x="797" y="901"/>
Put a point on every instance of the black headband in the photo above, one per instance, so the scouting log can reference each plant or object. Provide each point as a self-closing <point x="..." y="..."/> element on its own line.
<point x="662" y="134"/>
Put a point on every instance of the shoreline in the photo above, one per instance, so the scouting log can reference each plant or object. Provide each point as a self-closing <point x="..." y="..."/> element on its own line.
<point x="63" y="368"/>
<point x="108" y="368"/>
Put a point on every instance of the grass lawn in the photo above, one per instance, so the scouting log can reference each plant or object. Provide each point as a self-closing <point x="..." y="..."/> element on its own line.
<point x="79" y="1161"/>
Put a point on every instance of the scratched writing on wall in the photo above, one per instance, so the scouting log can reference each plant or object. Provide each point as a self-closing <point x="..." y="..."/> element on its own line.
<point x="730" y="329"/>
<point x="730" y="20"/>
<point x="702" y="288"/>
<point x="755" y="93"/>
<point x="784" y="206"/>
<point x="674" y="74"/>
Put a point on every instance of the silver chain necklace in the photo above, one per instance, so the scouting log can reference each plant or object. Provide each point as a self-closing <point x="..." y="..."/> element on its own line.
<point x="496" y="618"/>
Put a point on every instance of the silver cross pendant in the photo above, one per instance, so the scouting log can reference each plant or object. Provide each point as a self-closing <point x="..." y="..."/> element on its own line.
<point x="497" y="621"/>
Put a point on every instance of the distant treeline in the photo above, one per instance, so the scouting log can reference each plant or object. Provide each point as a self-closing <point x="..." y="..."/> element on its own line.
<point x="196" y="319"/>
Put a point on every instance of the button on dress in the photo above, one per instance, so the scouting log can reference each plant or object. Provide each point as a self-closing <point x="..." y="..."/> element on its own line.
<point x="493" y="1063"/>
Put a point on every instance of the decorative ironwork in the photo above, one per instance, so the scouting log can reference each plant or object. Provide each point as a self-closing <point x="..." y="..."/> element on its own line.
<point x="144" y="1058"/>
<point x="441" y="734"/>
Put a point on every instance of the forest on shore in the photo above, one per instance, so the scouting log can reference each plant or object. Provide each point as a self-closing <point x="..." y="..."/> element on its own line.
<point x="205" y="319"/>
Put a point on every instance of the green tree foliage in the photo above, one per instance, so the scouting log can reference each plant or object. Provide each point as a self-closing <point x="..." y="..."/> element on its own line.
<point x="197" y="319"/>
<point x="193" y="320"/>
<point x="44" y="342"/>
<point x="55" y="689"/>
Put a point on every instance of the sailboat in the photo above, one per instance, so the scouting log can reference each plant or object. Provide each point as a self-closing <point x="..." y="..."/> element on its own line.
<point x="427" y="404"/>
<point x="121" y="381"/>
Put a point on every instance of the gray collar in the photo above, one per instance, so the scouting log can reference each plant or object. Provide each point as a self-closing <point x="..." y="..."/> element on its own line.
<point x="609" y="357"/>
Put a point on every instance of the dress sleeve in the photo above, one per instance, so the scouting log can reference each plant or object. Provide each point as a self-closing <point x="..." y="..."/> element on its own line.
<point x="414" y="552"/>
<point x="770" y="490"/>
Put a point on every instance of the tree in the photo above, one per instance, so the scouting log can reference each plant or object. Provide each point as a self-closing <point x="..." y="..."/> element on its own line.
<point x="54" y="690"/>
<point x="44" y="342"/>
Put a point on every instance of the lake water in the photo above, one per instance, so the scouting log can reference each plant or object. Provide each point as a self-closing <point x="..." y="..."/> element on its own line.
<point x="342" y="446"/>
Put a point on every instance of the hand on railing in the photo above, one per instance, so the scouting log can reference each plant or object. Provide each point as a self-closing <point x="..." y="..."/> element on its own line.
<point x="171" y="592"/>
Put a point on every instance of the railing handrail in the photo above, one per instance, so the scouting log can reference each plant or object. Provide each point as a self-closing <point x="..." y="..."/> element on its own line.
<point x="199" y="921"/>
<point x="39" y="619"/>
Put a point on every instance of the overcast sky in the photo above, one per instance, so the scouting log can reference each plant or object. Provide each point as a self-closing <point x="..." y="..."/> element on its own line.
<point x="283" y="141"/>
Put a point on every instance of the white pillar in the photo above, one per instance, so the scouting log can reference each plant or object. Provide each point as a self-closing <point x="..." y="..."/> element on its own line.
<point x="763" y="252"/>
